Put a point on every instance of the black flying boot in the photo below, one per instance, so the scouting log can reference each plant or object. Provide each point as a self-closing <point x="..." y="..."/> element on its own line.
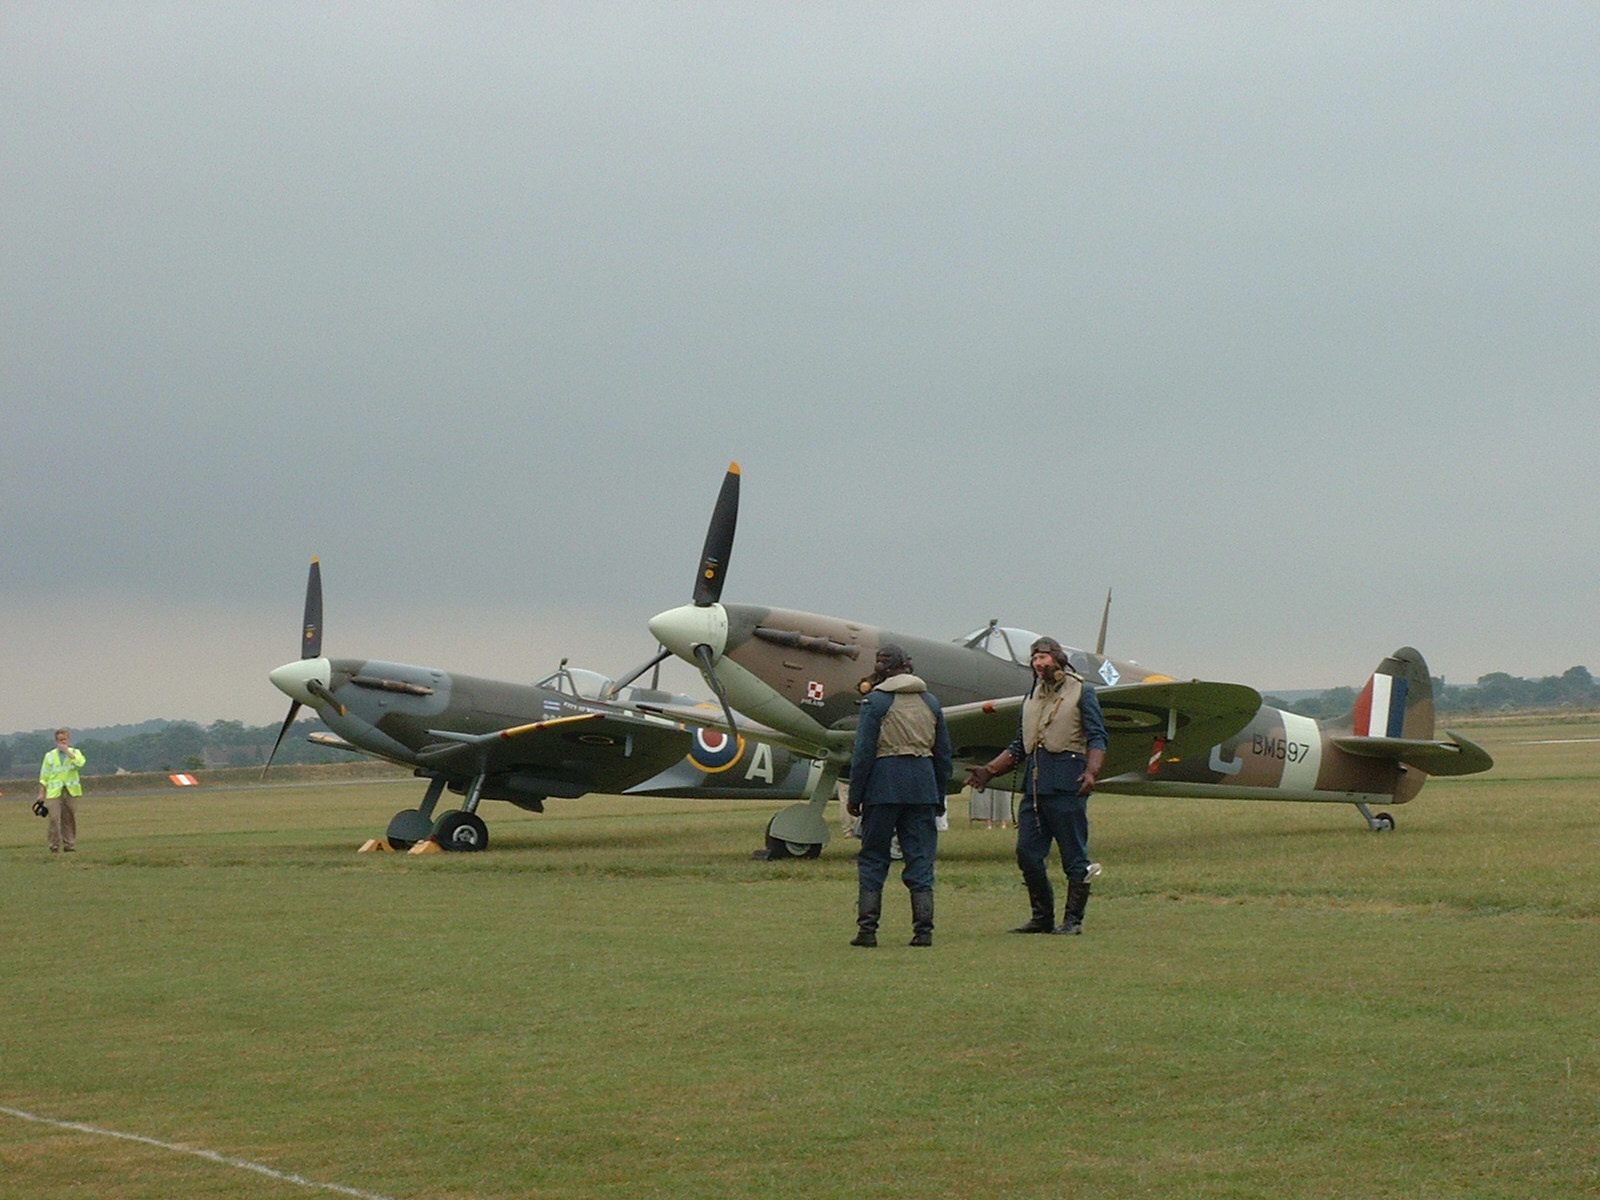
<point x="1077" y="901"/>
<point x="922" y="918"/>
<point x="1043" y="902"/>
<point x="869" y="907"/>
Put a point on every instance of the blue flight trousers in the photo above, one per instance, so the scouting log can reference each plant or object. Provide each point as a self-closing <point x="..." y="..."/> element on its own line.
<point x="1061" y="818"/>
<point x="919" y="841"/>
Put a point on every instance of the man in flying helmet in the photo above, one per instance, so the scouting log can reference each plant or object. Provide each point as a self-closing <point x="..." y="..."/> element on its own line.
<point x="898" y="774"/>
<point x="1062" y="743"/>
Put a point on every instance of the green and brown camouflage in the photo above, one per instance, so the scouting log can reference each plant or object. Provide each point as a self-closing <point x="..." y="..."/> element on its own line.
<point x="816" y="663"/>
<point x="796" y="676"/>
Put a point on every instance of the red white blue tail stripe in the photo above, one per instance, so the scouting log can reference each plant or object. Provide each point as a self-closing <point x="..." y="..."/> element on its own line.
<point x="1381" y="707"/>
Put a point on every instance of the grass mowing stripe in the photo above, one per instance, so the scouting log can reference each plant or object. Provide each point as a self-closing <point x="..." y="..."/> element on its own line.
<point x="210" y="1155"/>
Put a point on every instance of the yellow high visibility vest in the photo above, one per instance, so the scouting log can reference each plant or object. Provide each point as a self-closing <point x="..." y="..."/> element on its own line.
<point x="59" y="771"/>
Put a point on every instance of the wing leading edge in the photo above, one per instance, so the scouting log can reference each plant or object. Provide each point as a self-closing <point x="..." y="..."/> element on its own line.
<point x="1187" y="717"/>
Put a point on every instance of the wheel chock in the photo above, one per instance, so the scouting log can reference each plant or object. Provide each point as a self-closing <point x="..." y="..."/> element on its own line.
<point x="427" y="846"/>
<point x="376" y="845"/>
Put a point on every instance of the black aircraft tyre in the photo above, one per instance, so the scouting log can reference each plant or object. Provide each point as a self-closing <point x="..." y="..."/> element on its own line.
<point x="1385" y="822"/>
<point x="460" y="830"/>
<point x="779" y="850"/>
<point x="407" y="828"/>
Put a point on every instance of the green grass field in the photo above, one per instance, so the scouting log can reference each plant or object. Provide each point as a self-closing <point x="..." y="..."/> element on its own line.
<point x="616" y="1001"/>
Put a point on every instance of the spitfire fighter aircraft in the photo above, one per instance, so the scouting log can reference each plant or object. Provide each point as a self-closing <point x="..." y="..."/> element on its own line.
<point x="571" y="733"/>
<point x="795" y="675"/>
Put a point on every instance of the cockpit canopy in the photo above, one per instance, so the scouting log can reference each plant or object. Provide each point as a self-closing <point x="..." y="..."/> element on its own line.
<point x="1008" y="643"/>
<point x="578" y="683"/>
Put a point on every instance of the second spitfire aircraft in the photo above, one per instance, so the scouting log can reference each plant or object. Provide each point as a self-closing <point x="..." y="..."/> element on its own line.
<point x="569" y="734"/>
<point x="796" y="675"/>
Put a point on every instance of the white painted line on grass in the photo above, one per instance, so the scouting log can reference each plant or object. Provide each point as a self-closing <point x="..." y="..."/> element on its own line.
<point x="209" y="1155"/>
<point x="1558" y="741"/>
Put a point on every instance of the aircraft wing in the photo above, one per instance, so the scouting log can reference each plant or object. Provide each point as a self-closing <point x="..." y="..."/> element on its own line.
<point x="1189" y="717"/>
<point x="334" y="742"/>
<point x="706" y="716"/>
<point x="1458" y="756"/>
<point x="562" y="747"/>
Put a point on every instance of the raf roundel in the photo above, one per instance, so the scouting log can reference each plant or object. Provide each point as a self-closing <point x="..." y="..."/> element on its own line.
<point x="714" y="750"/>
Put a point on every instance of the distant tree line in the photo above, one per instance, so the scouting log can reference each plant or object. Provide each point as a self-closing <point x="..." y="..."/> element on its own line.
<point x="186" y="746"/>
<point x="173" y="746"/>
<point x="1496" y="692"/>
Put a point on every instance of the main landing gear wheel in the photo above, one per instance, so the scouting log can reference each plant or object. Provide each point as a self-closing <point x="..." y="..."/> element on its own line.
<point x="459" y="830"/>
<point x="408" y="827"/>
<point x="778" y="849"/>
<point x="782" y="849"/>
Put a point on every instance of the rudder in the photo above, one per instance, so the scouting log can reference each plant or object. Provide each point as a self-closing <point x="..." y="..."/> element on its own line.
<point x="1392" y="719"/>
<point x="1396" y="701"/>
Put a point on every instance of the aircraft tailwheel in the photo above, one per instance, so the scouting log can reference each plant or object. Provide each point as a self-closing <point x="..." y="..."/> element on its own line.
<point x="460" y="830"/>
<point x="1382" y="823"/>
<point x="408" y="827"/>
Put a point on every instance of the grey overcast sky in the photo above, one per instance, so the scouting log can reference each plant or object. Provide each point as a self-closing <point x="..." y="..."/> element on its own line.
<point x="1282" y="320"/>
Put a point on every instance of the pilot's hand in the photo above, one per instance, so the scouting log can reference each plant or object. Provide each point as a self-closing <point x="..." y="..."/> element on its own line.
<point x="978" y="778"/>
<point x="1086" y="783"/>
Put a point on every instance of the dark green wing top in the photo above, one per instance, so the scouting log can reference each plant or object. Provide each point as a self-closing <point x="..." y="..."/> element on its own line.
<point x="1198" y="714"/>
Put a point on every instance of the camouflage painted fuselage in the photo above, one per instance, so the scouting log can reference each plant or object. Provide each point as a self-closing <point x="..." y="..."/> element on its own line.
<point x="399" y="712"/>
<point x="816" y="662"/>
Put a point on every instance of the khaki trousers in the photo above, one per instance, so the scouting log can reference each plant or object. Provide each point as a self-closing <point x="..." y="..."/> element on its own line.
<point x="63" y="833"/>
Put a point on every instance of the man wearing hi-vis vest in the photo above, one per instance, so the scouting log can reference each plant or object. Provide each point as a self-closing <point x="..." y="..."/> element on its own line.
<point x="1063" y="742"/>
<point x="60" y="787"/>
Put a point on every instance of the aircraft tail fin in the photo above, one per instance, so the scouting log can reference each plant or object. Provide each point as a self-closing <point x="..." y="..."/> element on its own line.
<point x="1395" y="702"/>
<point x="1393" y="717"/>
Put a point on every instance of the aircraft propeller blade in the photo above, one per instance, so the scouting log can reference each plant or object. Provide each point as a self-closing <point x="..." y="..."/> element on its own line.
<point x="310" y="647"/>
<point x="311" y="638"/>
<point x="616" y="688"/>
<point x="719" y="541"/>
<point x="702" y="652"/>
<point x="294" y="707"/>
